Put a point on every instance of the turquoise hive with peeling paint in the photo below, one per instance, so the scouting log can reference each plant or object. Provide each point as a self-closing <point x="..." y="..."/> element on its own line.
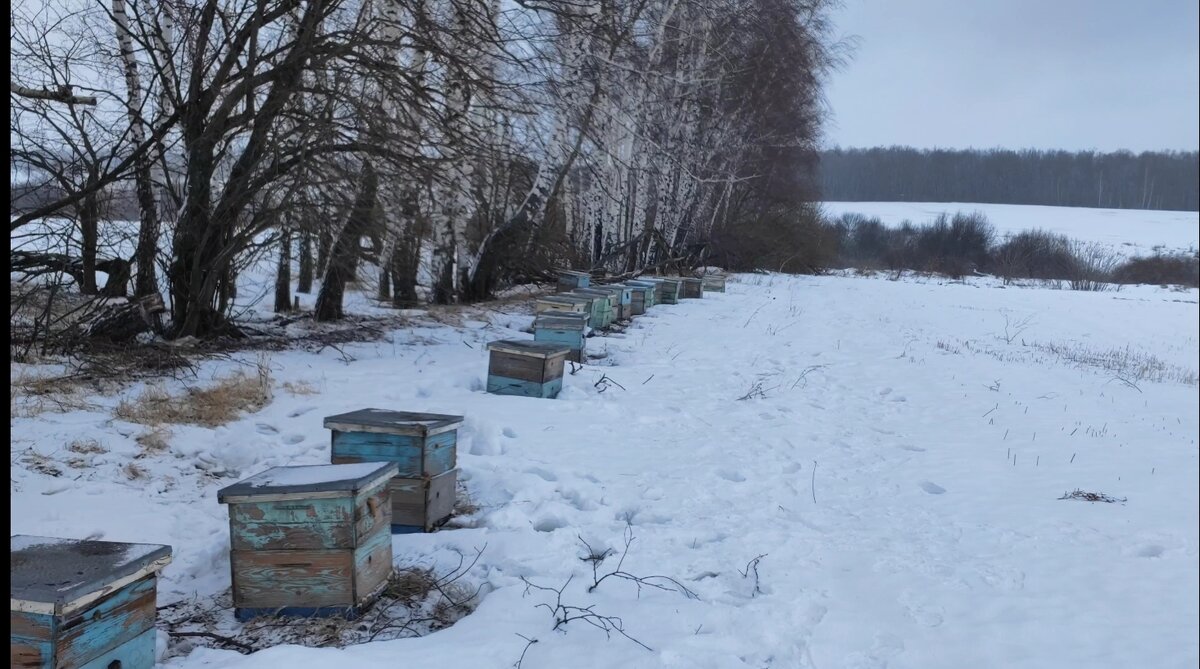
<point x="560" y="327"/>
<point x="82" y="604"/>
<point x="310" y="541"/>
<point x="423" y="445"/>
<point x="569" y="280"/>
<point x="526" y="368"/>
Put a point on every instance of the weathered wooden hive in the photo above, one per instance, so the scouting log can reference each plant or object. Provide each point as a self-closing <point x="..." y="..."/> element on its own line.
<point x="569" y="280"/>
<point x="310" y="541"/>
<point x="560" y="327"/>
<point x="641" y="297"/>
<point x="691" y="287"/>
<point x="612" y="297"/>
<point x="623" y="308"/>
<point x="600" y="313"/>
<point x="424" y="447"/>
<point x="526" y="368"/>
<point x="653" y="290"/>
<point x="714" y="283"/>
<point x="83" y="604"/>
<point x="671" y="289"/>
<point x="563" y="302"/>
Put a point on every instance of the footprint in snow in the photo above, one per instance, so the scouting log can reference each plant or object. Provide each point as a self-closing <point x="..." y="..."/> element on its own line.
<point x="292" y="438"/>
<point x="509" y="432"/>
<point x="544" y="474"/>
<point x="932" y="488"/>
<point x="263" y="428"/>
<point x="735" y="477"/>
<point x="300" y="411"/>
<point x="884" y="392"/>
<point x="910" y="447"/>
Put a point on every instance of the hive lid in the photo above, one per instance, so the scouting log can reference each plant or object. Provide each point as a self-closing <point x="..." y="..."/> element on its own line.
<point x="571" y="272"/>
<point x="538" y="349"/>
<point x="309" y="481"/>
<point x="57" y="576"/>
<point x="561" y="319"/>
<point x="563" y="298"/>
<point x="393" y="422"/>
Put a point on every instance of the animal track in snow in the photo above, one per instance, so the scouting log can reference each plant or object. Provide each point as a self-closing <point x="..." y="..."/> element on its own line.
<point x="733" y="476"/>
<point x="300" y="411"/>
<point x="1150" y="551"/>
<point x="264" y="428"/>
<point x="292" y="438"/>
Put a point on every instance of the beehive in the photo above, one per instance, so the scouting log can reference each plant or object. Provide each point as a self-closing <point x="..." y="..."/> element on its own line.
<point x="569" y="280"/>
<point x="424" y="447"/>
<point x="671" y="289"/>
<point x="310" y="541"/>
<point x="714" y="283"/>
<point x="599" y="308"/>
<point x="83" y="604"/>
<point x="653" y="290"/>
<point x="527" y="368"/>
<point x="563" y="302"/>
<point x="638" y="295"/>
<point x="623" y="307"/>
<point x="691" y="288"/>
<point x="563" y="328"/>
<point x="612" y="297"/>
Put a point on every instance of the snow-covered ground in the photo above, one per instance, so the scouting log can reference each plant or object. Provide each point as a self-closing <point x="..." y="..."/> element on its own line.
<point x="846" y="471"/>
<point x="1129" y="231"/>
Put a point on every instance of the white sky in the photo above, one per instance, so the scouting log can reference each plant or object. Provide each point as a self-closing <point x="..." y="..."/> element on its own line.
<point x="1068" y="74"/>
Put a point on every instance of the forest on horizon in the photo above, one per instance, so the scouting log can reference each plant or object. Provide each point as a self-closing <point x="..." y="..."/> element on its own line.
<point x="1167" y="180"/>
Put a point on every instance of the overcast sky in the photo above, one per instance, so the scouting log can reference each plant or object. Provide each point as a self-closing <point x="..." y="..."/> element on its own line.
<point x="1070" y="74"/>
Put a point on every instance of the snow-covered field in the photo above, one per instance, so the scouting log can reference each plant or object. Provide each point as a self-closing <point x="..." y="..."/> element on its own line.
<point x="846" y="471"/>
<point x="1129" y="231"/>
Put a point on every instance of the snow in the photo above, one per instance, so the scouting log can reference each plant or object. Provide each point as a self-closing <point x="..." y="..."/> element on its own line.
<point x="280" y="477"/>
<point x="887" y="493"/>
<point x="1129" y="231"/>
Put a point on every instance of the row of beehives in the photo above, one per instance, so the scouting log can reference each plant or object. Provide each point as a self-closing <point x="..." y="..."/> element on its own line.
<point x="561" y="328"/>
<point x="304" y="541"/>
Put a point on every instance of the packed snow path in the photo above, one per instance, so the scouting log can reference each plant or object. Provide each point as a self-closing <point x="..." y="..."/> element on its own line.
<point x="935" y="446"/>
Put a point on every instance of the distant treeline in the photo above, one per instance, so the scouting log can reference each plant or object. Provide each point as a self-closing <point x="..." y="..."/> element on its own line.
<point x="1120" y="180"/>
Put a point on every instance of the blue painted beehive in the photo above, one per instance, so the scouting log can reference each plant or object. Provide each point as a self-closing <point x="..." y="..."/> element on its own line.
<point x="310" y="541"/>
<point x="624" y="302"/>
<point x="424" y="447"/>
<point x="569" y="280"/>
<point x="562" y="327"/>
<point x="85" y="604"/>
<point x="613" y="298"/>
<point x="526" y="368"/>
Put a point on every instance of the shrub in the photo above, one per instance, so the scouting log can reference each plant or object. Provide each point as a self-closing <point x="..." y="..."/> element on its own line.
<point x="1180" y="269"/>
<point x="1034" y="254"/>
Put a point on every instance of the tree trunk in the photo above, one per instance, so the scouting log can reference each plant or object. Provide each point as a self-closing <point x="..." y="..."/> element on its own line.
<point x="89" y="223"/>
<point x="305" y="279"/>
<point x="283" y="277"/>
<point x="343" y="252"/>
<point x="147" y="246"/>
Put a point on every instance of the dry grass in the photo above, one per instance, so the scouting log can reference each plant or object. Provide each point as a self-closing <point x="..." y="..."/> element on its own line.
<point x="135" y="472"/>
<point x="40" y="463"/>
<point x="300" y="388"/>
<point x="215" y="405"/>
<point x="1128" y="365"/>
<point x="86" y="447"/>
<point x="32" y="394"/>
<point x="154" y="442"/>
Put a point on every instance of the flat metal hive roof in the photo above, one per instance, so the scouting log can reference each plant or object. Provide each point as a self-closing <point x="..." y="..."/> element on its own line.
<point x="55" y="571"/>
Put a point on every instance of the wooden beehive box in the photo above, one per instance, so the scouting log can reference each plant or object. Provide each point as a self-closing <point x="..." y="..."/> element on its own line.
<point x="310" y="541"/>
<point x="691" y="288"/>
<point x="569" y="280"/>
<point x="526" y="368"/>
<point x="424" y="447"/>
<point x="83" y="604"/>
<point x="625" y="298"/>
<point x="612" y="297"/>
<point x="559" y="327"/>
<point x="652" y="290"/>
<point x="563" y="302"/>
<point x="599" y="308"/>
<point x="714" y="283"/>
<point x="638" y="295"/>
<point x="671" y="289"/>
